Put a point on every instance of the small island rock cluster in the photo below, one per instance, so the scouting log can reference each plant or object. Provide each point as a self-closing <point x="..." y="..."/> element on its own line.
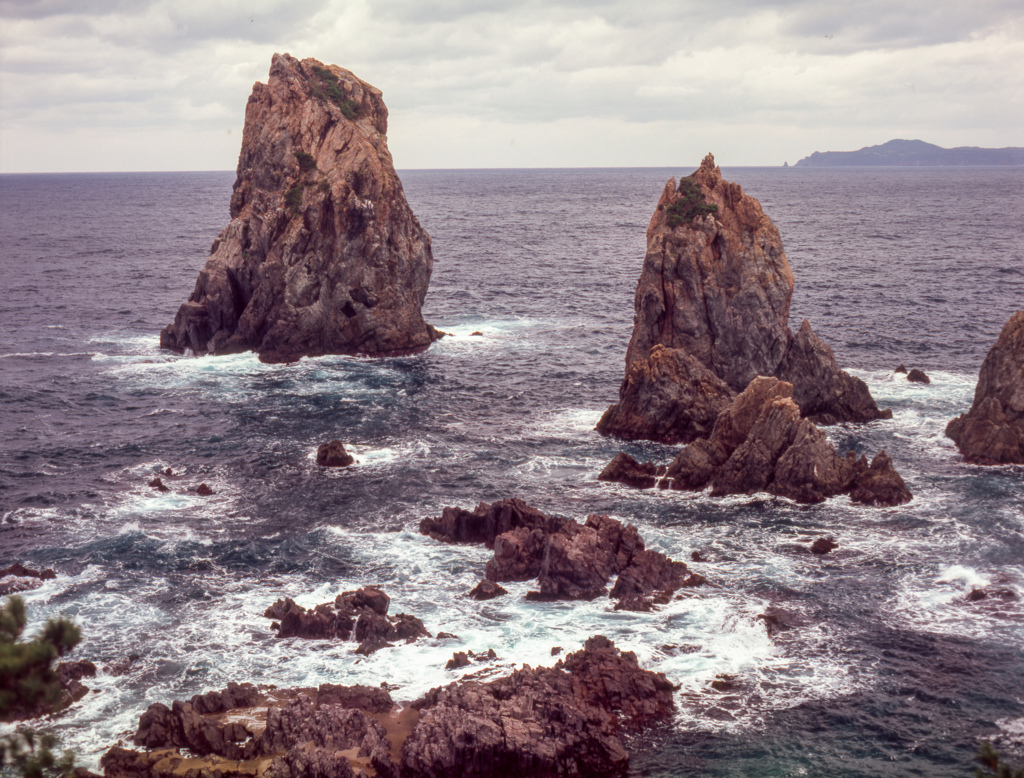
<point x="323" y="254"/>
<point x="570" y="561"/>
<point x="361" y="615"/>
<point x="760" y="443"/>
<point x="992" y="431"/>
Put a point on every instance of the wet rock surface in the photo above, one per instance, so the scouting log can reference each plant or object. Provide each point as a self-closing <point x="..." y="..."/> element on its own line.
<point x="333" y="454"/>
<point x="323" y="254"/>
<point x="715" y="292"/>
<point x="569" y="560"/>
<point x="565" y="720"/>
<point x="992" y="431"/>
<point x="361" y="615"/>
<point x="760" y="443"/>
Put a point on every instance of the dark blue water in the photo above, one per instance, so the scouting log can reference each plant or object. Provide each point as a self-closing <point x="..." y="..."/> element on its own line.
<point x="890" y="671"/>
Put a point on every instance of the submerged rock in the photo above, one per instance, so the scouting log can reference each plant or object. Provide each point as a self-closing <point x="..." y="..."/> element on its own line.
<point x="824" y="545"/>
<point x="992" y="431"/>
<point x="487" y="590"/>
<point x="624" y="469"/>
<point x="323" y="254"/>
<point x="714" y="293"/>
<point x="760" y="443"/>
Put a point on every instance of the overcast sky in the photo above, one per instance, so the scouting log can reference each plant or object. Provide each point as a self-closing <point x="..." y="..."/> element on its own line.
<point x="110" y="85"/>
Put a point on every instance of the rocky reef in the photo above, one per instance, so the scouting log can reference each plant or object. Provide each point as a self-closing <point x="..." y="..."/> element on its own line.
<point x="761" y="443"/>
<point x="712" y="312"/>
<point x="992" y="431"/>
<point x="323" y="254"/>
<point x="361" y="614"/>
<point x="565" y="720"/>
<point x="571" y="561"/>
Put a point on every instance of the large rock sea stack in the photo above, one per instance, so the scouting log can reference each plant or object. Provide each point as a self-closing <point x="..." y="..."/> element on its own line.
<point x="323" y="254"/>
<point x="712" y="313"/>
<point x="992" y="431"/>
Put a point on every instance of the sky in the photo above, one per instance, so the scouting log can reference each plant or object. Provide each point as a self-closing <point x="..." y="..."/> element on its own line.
<point x="139" y="85"/>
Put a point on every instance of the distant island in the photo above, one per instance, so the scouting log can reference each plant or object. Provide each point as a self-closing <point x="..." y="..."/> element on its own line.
<point x="914" y="152"/>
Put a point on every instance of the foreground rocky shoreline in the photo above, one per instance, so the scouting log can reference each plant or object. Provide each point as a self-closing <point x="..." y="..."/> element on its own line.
<point x="565" y="720"/>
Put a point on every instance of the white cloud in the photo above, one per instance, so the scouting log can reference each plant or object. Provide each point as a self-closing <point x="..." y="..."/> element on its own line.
<point x="470" y="82"/>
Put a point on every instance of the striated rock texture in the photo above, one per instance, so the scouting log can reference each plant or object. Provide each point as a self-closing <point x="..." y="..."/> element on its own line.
<point x="761" y="443"/>
<point x="323" y="254"/>
<point x="716" y="287"/>
<point x="992" y="431"/>
<point x="567" y="720"/>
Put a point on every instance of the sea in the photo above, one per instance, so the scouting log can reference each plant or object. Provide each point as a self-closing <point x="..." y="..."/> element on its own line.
<point x="888" y="669"/>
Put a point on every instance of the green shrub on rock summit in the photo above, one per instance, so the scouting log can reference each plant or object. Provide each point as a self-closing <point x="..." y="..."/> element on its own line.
<point x="690" y="203"/>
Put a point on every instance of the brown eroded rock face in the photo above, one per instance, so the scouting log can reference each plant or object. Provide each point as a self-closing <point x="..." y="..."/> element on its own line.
<point x="323" y="254"/>
<point x="992" y="431"/>
<point x="716" y="287"/>
<point x="571" y="561"/>
<point x="760" y="443"/>
<point x="567" y="720"/>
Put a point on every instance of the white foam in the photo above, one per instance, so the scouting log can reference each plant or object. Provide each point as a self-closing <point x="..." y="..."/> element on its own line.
<point x="965" y="576"/>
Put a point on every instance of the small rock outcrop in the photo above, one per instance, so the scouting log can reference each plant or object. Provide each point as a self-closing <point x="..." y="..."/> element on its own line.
<point x="715" y="292"/>
<point x="323" y="254"/>
<point x="564" y="720"/>
<point x="330" y="731"/>
<point x="918" y="377"/>
<point x="360" y="615"/>
<point x="333" y="454"/>
<point x="760" y="443"/>
<point x="569" y="560"/>
<point x="992" y="431"/>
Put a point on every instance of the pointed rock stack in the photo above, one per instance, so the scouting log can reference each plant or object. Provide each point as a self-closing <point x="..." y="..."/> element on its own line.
<point x="712" y="349"/>
<point x="323" y="254"/>
<point x="712" y="313"/>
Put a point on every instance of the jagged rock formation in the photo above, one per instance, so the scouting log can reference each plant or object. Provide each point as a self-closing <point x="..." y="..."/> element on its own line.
<point x="669" y="396"/>
<point x="323" y="254"/>
<point x="571" y="561"/>
<point x="715" y="289"/>
<point x="992" y="431"/>
<point x="760" y="443"/>
<point x="242" y="731"/>
<point x="361" y="615"/>
<point x="564" y="720"/>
